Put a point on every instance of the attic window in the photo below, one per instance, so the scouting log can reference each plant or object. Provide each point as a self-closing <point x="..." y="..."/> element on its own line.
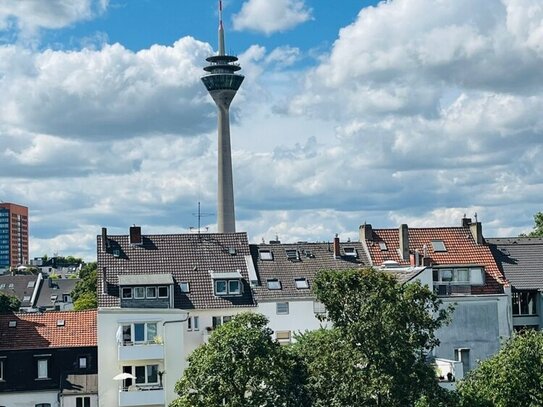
<point x="116" y="252"/>
<point x="12" y="324"/>
<point x="232" y="251"/>
<point x="31" y="284"/>
<point x="309" y="253"/>
<point x="2" y="286"/>
<point x="438" y="246"/>
<point x="274" y="284"/>
<point x="185" y="287"/>
<point x="60" y="322"/>
<point x="26" y="298"/>
<point x="383" y="246"/>
<point x="301" y="283"/>
<point x="54" y="297"/>
<point x="11" y="286"/>
<point x="265" y="254"/>
<point x="292" y="254"/>
<point x="350" y="252"/>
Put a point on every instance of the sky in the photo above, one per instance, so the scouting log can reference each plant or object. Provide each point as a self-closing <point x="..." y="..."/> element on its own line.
<point x="351" y="112"/>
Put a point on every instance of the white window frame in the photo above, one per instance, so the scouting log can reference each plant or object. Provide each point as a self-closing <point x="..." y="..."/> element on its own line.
<point x="273" y="286"/>
<point x="350" y="252"/>
<point x="146" y="338"/>
<point x="220" y="319"/>
<point x="282" y="308"/>
<point x="83" y="401"/>
<point x="301" y="283"/>
<point x="438" y="246"/>
<point x="167" y="291"/>
<point x="475" y="275"/>
<point x="236" y="291"/>
<point x="193" y="323"/>
<point x="283" y="337"/>
<point x="43" y="368"/>
<point x="228" y="290"/>
<point x="521" y="297"/>
<point x="292" y="254"/>
<point x="147" y="292"/>
<point x="222" y="292"/>
<point x="139" y="297"/>
<point x="85" y="361"/>
<point x="318" y="308"/>
<point x="265" y="255"/>
<point x="145" y="382"/>
<point x="183" y="284"/>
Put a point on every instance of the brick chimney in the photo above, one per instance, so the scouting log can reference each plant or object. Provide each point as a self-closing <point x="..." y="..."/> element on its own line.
<point x="466" y="222"/>
<point x="135" y="236"/>
<point x="104" y="240"/>
<point x="403" y="233"/>
<point x="337" y="253"/>
<point x="365" y="232"/>
<point x="477" y="232"/>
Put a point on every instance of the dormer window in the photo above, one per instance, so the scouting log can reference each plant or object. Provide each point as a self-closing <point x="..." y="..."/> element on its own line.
<point x="292" y="254"/>
<point x="266" y="255"/>
<point x="438" y="246"/>
<point x="228" y="283"/>
<point x="350" y="252"/>
<point x="383" y="246"/>
<point x="274" y="284"/>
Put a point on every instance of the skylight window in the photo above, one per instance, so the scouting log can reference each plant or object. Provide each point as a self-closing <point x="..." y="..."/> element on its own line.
<point x="274" y="284"/>
<point x="301" y="283"/>
<point x="383" y="246"/>
<point x="350" y="252"/>
<point x="185" y="287"/>
<point x="265" y="255"/>
<point x="26" y="298"/>
<point x="12" y="324"/>
<point x="30" y="284"/>
<point x="438" y="246"/>
<point x="292" y="254"/>
<point x="60" y="322"/>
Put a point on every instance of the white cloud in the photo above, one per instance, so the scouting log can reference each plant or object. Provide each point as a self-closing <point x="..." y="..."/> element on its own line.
<point x="271" y="16"/>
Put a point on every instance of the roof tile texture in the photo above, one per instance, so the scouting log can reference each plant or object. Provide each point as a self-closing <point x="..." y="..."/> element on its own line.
<point x="39" y="331"/>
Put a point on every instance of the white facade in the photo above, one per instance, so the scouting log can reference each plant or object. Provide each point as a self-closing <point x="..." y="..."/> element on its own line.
<point x="71" y="400"/>
<point x="29" y="399"/>
<point x="163" y="357"/>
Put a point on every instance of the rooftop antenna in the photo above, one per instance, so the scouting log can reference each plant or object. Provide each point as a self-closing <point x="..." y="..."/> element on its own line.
<point x="200" y="215"/>
<point x="221" y="31"/>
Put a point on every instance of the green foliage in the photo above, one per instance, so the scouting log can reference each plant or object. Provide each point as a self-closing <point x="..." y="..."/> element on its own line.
<point x="384" y="329"/>
<point x="9" y="303"/>
<point x="86" y="288"/>
<point x="86" y="300"/>
<point x="538" y="227"/>
<point x="513" y="377"/>
<point x="241" y="366"/>
<point x="54" y="276"/>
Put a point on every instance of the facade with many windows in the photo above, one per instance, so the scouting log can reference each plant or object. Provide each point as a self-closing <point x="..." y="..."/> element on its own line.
<point x="13" y="235"/>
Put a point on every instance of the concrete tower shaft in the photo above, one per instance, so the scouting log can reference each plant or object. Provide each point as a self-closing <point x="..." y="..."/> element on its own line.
<point x="222" y="83"/>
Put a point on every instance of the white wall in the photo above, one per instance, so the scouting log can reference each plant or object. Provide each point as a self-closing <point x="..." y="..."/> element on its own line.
<point x="70" y="401"/>
<point x="109" y="365"/>
<point x="29" y="399"/>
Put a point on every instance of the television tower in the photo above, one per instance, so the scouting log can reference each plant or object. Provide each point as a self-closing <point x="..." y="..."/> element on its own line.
<point x="222" y="84"/>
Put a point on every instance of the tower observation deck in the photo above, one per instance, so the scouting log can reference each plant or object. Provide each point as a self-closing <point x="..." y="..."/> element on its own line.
<point x="222" y="83"/>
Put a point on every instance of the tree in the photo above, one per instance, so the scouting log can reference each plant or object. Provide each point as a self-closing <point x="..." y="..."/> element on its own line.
<point x="9" y="303"/>
<point x="538" y="226"/>
<point x="241" y="366"/>
<point x="513" y="377"/>
<point x="376" y="355"/>
<point x="86" y="288"/>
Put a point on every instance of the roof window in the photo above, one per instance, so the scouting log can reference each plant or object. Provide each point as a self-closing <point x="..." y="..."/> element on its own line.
<point x="12" y="324"/>
<point x="438" y="246"/>
<point x="350" y="252"/>
<point x="309" y="253"/>
<point x="60" y="322"/>
<point x="26" y="298"/>
<point x="274" y="284"/>
<point x="2" y="286"/>
<point x="292" y="254"/>
<point x="185" y="287"/>
<point x="383" y="246"/>
<point x="31" y="284"/>
<point x="301" y="283"/>
<point x="265" y="255"/>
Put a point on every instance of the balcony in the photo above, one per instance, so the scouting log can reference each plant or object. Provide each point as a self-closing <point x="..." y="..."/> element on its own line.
<point x="141" y="351"/>
<point x="449" y="372"/>
<point x="142" y="396"/>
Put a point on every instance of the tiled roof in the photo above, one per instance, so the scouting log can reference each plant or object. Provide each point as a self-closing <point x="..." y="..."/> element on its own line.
<point x="313" y="257"/>
<point x="41" y="330"/>
<point x="54" y="287"/>
<point x="461" y="249"/>
<point x="187" y="257"/>
<point x="521" y="260"/>
<point x="18" y="286"/>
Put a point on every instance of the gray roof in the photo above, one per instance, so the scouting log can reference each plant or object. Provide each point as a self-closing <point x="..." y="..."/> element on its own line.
<point x="313" y="257"/>
<point x="20" y="286"/>
<point x="79" y="384"/>
<point x="521" y="260"/>
<point x="186" y="257"/>
<point x="146" y="279"/>
<point x="52" y="287"/>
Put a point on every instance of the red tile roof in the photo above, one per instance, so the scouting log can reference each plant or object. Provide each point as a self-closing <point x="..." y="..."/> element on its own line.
<point x="38" y="331"/>
<point x="461" y="249"/>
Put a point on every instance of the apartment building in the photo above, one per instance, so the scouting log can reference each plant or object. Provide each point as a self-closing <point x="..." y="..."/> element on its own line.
<point x="13" y="235"/>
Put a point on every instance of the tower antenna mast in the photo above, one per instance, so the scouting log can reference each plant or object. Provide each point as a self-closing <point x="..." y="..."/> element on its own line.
<point x="221" y="31"/>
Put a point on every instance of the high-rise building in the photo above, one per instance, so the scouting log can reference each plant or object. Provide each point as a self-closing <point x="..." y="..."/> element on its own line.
<point x="13" y="235"/>
<point x="222" y="84"/>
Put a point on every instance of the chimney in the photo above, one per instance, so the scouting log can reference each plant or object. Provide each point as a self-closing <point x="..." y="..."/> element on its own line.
<point x="412" y="260"/>
<point x="365" y="232"/>
<point x="466" y="222"/>
<point x="337" y="254"/>
<point x="403" y="233"/>
<point x="135" y="236"/>
<point x="104" y="240"/>
<point x="104" y="281"/>
<point x="477" y="232"/>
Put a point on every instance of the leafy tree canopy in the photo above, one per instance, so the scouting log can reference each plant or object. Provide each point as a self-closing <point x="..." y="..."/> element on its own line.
<point x="86" y="300"/>
<point x="9" y="303"/>
<point x="86" y="287"/>
<point x="241" y="366"/>
<point x="513" y="377"/>
<point x="383" y="331"/>
<point x="538" y="226"/>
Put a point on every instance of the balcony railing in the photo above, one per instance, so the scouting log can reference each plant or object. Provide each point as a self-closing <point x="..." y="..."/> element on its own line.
<point x="141" y="396"/>
<point x="449" y="372"/>
<point x="145" y="351"/>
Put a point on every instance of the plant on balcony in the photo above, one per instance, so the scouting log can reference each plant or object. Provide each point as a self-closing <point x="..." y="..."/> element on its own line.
<point x="158" y="340"/>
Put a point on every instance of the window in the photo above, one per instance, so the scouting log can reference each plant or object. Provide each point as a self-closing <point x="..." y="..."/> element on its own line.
<point x="227" y="287"/>
<point x="66" y="298"/>
<point x="218" y="321"/>
<point x="185" y="287"/>
<point x="42" y="405"/>
<point x="350" y="252"/>
<point x="274" y="284"/>
<point x="1" y="370"/>
<point x="42" y="369"/>
<point x="283" y="337"/>
<point x="301" y="283"/>
<point x="30" y="284"/>
<point x="292" y="254"/>
<point x="461" y="275"/>
<point x="127" y="292"/>
<point x="162" y="292"/>
<point x="82" y="401"/>
<point x="26" y="298"/>
<point x="146" y="374"/>
<point x="265" y="255"/>
<point x="524" y="302"/>
<point x="282" y="308"/>
<point x="383" y="246"/>
<point x="318" y="308"/>
<point x="139" y="332"/>
<point x="193" y="324"/>
<point x="462" y="355"/>
<point x="150" y="292"/>
<point x="139" y="292"/>
<point x="438" y="246"/>
<point x="82" y="362"/>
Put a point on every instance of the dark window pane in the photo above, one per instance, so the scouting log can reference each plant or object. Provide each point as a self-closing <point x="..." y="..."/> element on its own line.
<point x="140" y="374"/>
